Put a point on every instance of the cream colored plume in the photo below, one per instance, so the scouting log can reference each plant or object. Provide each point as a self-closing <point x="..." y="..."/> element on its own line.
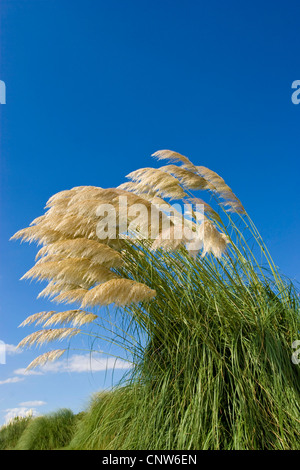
<point x="118" y="291"/>
<point x="207" y="209"/>
<point x="159" y="182"/>
<point x="61" y="196"/>
<point x="71" y="270"/>
<point x="39" y="234"/>
<point x="174" y="157"/>
<point x="222" y="189"/>
<point x="60" y="287"/>
<point x="213" y="181"/>
<point x="73" y="317"/>
<point x="214" y="242"/>
<point x="97" y="252"/>
<point x="188" y="179"/>
<point x="71" y="296"/>
<point x="37" y="318"/>
<point x="46" y="357"/>
<point x="45" y="336"/>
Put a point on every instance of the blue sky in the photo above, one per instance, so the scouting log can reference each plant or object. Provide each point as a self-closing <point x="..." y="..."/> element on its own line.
<point x="93" y="88"/>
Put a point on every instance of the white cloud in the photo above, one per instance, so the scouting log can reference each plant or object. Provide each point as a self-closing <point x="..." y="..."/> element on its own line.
<point x="17" y="373"/>
<point x="23" y="371"/>
<point x="24" y="409"/>
<point x="86" y="363"/>
<point x="11" y="349"/>
<point x="75" y="363"/>
<point x="32" y="403"/>
<point x="11" y="380"/>
<point x="20" y="411"/>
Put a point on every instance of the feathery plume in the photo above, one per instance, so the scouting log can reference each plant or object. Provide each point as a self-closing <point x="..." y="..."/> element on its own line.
<point x="158" y="181"/>
<point x="208" y="210"/>
<point x="60" y="196"/>
<point x="39" y="234"/>
<point x="221" y="188"/>
<point x="118" y="291"/>
<point x="58" y="287"/>
<point x="187" y="178"/>
<point x="74" y="317"/>
<point x="46" y="357"/>
<point x="214" y="241"/>
<point x="36" y="317"/>
<point x="97" y="252"/>
<point x="174" y="157"/>
<point x="71" y="270"/>
<point x="71" y="296"/>
<point x="45" y="336"/>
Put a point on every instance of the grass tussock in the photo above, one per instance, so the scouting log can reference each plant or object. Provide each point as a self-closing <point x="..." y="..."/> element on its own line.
<point x="12" y="431"/>
<point x="209" y="329"/>
<point x="221" y="384"/>
<point x="48" y="432"/>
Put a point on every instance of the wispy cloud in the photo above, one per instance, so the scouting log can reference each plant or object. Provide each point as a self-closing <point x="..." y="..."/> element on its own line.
<point x="86" y="363"/>
<point x="24" y="409"/>
<point x="32" y="403"/>
<point x="23" y="371"/>
<point x="20" y="372"/>
<point x="11" y="349"/>
<point x="19" y="411"/>
<point x="11" y="380"/>
<point x="76" y="363"/>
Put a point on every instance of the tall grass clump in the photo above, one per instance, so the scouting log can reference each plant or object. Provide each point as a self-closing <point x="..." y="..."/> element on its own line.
<point x="11" y="432"/>
<point x="48" y="432"/>
<point x="206" y="316"/>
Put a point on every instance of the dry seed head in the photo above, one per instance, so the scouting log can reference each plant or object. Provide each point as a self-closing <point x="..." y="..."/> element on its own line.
<point x="71" y="296"/>
<point x="65" y="197"/>
<point x="81" y="247"/>
<point x="140" y="189"/>
<point x="187" y="178"/>
<point x="74" y="317"/>
<point x="46" y="357"/>
<point x="221" y="188"/>
<point x="147" y="194"/>
<point x="214" y="241"/>
<point x="59" y="287"/>
<point x="158" y="181"/>
<point x="40" y="316"/>
<point x="38" y="220"/>
<point x="118" y="291"/>
<point x="45" y="336"/>
<point x="71" y="225"/>
<point x="208" y="210"/>
<point x="39" y="234"/>
<point x="71" y="270"/>
<point x="174" y="157"/>
<point x="60" y="196"/>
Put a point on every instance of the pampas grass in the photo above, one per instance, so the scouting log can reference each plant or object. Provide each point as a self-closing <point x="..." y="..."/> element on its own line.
<point x="11" y="432"/>
<point x="121" y="292"/>
<point x="47" y="336"/>
<point x="50" y="432"/>
<point x="46" y="357"/>
<point x="209" y="327"/>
